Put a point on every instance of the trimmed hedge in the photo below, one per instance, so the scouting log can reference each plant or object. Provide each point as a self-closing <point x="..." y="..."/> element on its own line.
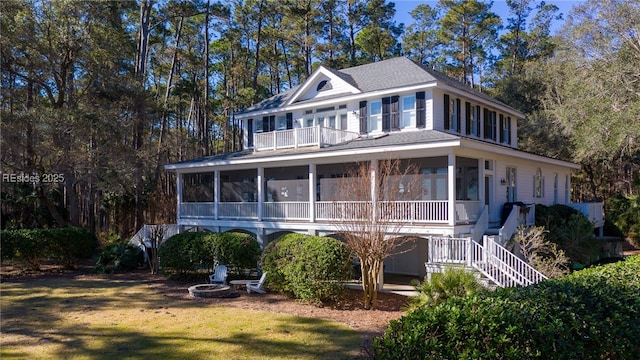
<point x="590" y="314"/>
<point x="118" y="257"/>
<point x="310" y="268"/>
<point x="190" y="251"/>
<point x="31" y="246"/>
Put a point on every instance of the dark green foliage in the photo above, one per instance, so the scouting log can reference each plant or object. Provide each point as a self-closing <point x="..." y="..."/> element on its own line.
<point x="118" y="257"/>
<point x="69" y="244"/>
<point x="184" y="252"/>
<point x="590" y="314"/>
<point x="311" y="268"/>
<point x="236" y="250"/>
<point x="440" y="287"/>
<point x="190" y="251"/>
<point x="624" y="212"/>
<point x="570" y="230"/>
<point x="31" y="246"/>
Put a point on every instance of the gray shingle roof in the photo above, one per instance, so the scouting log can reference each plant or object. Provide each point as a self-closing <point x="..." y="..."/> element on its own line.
<point x="387" y="74"/>
<point x="392" y="139"/>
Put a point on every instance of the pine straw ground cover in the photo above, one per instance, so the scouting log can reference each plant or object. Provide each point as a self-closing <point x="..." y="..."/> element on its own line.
<point x="139" y="316"/>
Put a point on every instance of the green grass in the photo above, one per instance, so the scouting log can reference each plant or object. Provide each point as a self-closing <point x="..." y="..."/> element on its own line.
<point x="96" y="318"/>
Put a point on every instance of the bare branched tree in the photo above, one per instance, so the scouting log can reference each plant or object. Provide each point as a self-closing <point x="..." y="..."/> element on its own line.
<point x="541" y="253"/>
<point x="155" y="235"/>
<point x="372" y="210"/>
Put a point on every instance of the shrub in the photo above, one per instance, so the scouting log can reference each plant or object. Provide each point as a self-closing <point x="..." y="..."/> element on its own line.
<point x="236" y="250"/>
<point x="311" y="268"/>
<point x="439" y="287"/>
<point x="69" y="244"/>
<point x="590" y="314"/>
<point x="624" y="212"/>
<point x="118" y="257"/>
<point x="183" y="252"/>
<point x="27" y="246"/>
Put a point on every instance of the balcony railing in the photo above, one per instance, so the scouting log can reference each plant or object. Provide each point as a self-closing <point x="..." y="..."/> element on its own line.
<point x="423" y="211"/>
<point x="301" y="137"/>
<point x="594" y="211"/>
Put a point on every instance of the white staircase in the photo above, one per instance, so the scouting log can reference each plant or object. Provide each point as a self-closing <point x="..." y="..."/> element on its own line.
<point x="489" y="258"/>
<point x="143" y="236"/>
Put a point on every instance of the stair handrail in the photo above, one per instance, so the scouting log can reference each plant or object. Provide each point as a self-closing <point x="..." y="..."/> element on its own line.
<point x="511" y="265"/>
<point x="482" y="224"/>
<point x="510" y="225"/>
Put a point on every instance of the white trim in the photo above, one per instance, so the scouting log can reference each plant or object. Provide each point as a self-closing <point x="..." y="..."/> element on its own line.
<point x="311" y="80"/>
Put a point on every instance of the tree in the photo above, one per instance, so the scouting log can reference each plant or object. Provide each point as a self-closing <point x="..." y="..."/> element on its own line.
<point x="468" y="30"/>
<point x="372" y="226"/>
<point x="378" y="39"/>
<point x="420" y="41"/>
<point x="592" y="94"/>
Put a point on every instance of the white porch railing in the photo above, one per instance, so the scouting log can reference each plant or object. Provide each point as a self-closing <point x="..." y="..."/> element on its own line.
<point x="421" y="211"/>
<point x="301" y="137"/>
<point x="143" y="235"/>
<point x="468" y="211"/>
<point x="494" y="261"/>
<point x="286" y="210"/>
<point x="594" y="211"/>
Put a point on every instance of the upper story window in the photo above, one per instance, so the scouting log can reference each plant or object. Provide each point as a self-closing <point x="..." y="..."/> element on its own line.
<point x="324" y="85"/>
<point x="505" y="129"/>
<point x="451" y="113"/>
<point x="408" y="111"/>
<point x="375" y="116"/>
<point x="472" y="119"/>
<point x="538" y="184"/>
<point x="281" y="122"/>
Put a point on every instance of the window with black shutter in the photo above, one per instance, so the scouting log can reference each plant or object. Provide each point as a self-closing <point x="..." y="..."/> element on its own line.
<point x="363" y="117"/>
<point x="421" y="114"/>
<point x="386" y="114"/>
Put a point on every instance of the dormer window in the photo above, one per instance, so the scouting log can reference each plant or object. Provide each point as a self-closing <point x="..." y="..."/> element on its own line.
<point x="324" y="85"/>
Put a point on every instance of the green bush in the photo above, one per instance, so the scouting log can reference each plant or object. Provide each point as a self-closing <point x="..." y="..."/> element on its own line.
<point x="27" y="246"/>
<point x="69" y="244"/>
<point x="311" y="268"/>
<point x="236" y="250"/>
<point x="590" y="314"/>
<point x="185" y="252"/>
<point x="453" y="282"/>
<point x="624" y="212"/>
<point x="118" y="257"/>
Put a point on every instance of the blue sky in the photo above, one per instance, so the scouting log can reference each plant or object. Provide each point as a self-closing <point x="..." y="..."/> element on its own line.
<point x="404" y="7"/>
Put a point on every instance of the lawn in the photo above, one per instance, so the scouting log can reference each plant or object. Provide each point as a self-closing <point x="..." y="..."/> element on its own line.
<point x="100" y="318"/>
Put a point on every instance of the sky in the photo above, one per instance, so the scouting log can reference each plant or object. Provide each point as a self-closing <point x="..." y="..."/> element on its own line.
<point x="404" y="7"/>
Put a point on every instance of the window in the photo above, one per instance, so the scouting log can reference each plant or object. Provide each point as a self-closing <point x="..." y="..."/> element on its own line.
<point x="511" y="182"/>
<point x="375" y="116"/>
<point x="538" y="184"/>
<point x="474" y="113"/>
<point x="308" y="122"/>
<point x="454" y="114"/>
<point x="281" y="122"/>
<point x="324" y="85"/>
<point x="505" y="129"/>
<point x="555" y="188"/>
<point x="408" y="111"/>
<point x="489" y="124"/>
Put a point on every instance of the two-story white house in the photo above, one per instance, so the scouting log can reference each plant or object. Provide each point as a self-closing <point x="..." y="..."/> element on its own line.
<point x="298" y="144"/>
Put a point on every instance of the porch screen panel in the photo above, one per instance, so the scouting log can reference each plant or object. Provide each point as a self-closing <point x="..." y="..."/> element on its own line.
<point x="395" y="113"/>
<point x="386" y="114"/>
<point x="197" y="187"/>
<point x="363" y="117"/>
<point x="447" y="115"/>
<point x="421" y="115"/>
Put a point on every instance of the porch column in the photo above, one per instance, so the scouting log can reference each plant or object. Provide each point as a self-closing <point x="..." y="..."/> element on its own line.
<point x="374" y="190"/>
<point x="312" y="192"/>
<point x="178" y="195"/>
<point x="216" y="194"/>
<point x="452" y="188"/>
<point x="481" y="182"/>
<point x="260" y="191"/>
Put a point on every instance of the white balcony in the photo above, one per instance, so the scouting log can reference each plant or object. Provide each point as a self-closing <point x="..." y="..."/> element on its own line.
<point x="429" y="211"/>
<point x="301" y="137"/>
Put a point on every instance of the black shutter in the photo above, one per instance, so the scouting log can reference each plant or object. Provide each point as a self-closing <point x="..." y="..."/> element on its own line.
<point x="487" y="127"/>
<point x="467" y="117"/>
<point x="447" y="115"/>
<point x="477" y="121"/>
<point x="494" y="125"/>
<point x="272" y="123"/>
<point x="363" y="117"/>
<point x="395" y="113"/>
<point x="509" y="130"/>
<point x="289" y="121"/>
<point x="386" y="115"/>
<point x="265" y="124"/>
<point x="501" y="128"/>
<point x="250" y="133"/>
<point x="457" y="119"/>
<point x="421" y="115"/>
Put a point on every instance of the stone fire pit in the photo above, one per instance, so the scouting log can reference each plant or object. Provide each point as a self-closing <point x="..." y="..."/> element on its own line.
<point x="212" y="291"/>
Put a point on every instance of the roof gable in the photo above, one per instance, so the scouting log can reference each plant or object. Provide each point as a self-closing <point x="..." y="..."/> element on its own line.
<point x="323" y="83"/>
